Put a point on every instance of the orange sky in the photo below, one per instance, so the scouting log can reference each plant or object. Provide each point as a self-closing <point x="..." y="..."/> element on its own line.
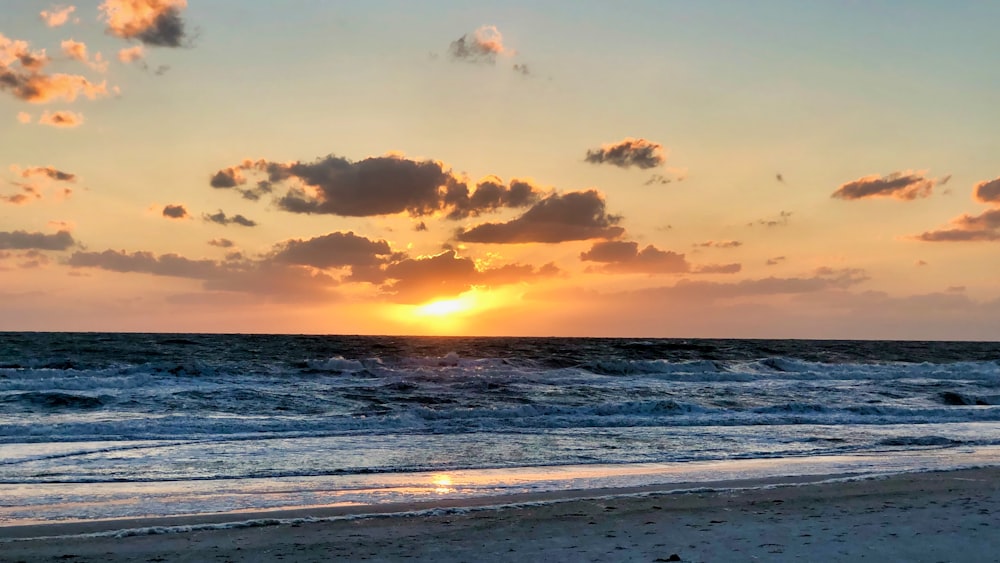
<point x="638" y="169"/>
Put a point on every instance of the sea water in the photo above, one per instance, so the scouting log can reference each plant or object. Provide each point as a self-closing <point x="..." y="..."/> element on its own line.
<point x="96" y="426"/>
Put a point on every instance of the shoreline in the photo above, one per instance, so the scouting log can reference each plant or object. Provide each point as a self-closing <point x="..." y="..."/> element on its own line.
<point x="924" y="516"/>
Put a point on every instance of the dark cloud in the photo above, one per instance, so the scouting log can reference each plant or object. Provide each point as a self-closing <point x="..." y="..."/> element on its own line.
<point x="384" y="185"/>
<point x="153" y="22"/>
<point x="521" y="69"/>
<point x="227" y="178"/>
<point x="775" y="261"/>
<point x="333" y="250"/>
<point x="988" y="192"/>
<point x="175" y="212"/>
<point x="557" y="218"/>
<point x="624" y="257"/>
<point x="222" y="243"/>
<point x="23" y="240"/>
<point x="480" y="46"/>
<point x="491" y="194"/>
<point x="221" y="219"/>
<point x="898" y="185"/>
<point x="629" y="152"/>
<point x="967" y="228"/>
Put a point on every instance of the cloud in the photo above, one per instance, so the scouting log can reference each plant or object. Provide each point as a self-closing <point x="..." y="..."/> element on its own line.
<point x="624" y="257"/>
<point x="374" y="186"/>
<point x="131" y="54"/>
<point x="221" y="243"/>
<point x="153" y="22"/>
<point x="780" y="221"/>
<point x="23" y="117"/>
<point x="27" y="194"/>
<point x="78" y="52"/>
<point x="47" y="171"/>
<point x="904" y="186"/>
<point x="446" y="274"/>
<point x="384" y="185"/>
<point x="481" y="46"/>
<point x="967" y="228"/>
<point x="66" y="119"/>
<point x="720" y="244"/>
<point x="21" y="74"/>
<point x="822" y="279"/>
<point x="333" y="250"/>
<point x="987" y="191"/>
<point x="57" y="15"/>
<point x="521" y="69"/>
<point x="221" y="219"/>
<point x="23" y="240"/>
<point x="629" y="152"/>
<point x="148" y="263"/>
<point x="557" y="218"/>
<point x="491" y="194"/>
<point x="775" y="261"/>
<point x="227" y="178"/>
<point x="175" y="212"/>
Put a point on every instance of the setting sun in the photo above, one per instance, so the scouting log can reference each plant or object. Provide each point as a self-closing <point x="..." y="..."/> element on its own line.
<point x="444" y="307"/>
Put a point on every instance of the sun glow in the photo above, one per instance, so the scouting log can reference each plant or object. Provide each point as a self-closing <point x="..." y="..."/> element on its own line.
<point x="450" y="315"/>
<point x="445" y="307"/>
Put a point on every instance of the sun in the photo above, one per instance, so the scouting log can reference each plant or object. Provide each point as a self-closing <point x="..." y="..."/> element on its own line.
<point x="445" y="307"/>
<point x="448" y="315"/>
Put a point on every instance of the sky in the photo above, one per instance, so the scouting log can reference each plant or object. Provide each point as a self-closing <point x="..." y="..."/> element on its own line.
<point x="772" y="169"/>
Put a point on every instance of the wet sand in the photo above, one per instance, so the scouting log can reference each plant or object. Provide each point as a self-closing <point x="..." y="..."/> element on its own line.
<point x="940" y="516"/>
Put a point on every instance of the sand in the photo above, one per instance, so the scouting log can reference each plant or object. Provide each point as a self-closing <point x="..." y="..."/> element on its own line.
<point x="941" y="516"/>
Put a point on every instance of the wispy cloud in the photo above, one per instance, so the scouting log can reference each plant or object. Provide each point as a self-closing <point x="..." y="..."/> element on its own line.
<point x="66" y="119"/>
<point x="221" y="218"/>
<point x="57" y="15"/>
<point x="46" y="171"/>
<point x="906" y="186"/>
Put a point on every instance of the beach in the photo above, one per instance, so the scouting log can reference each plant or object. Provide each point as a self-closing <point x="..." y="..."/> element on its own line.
<point x="929" y="516"/>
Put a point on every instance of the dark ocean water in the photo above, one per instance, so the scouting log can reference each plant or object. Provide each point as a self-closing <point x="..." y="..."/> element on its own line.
<point x="148" y="409"/>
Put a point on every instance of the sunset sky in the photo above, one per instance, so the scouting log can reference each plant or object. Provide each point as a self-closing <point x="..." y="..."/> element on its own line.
<point x="645" y="168"/>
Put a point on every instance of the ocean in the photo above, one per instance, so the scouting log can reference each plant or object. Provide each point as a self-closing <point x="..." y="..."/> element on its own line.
<point x="99" y="426"/>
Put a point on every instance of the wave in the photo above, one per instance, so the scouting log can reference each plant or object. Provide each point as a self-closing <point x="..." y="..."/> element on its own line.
<point x="54" y="400"/>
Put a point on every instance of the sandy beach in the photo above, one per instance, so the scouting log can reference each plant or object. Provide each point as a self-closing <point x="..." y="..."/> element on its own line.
<point x="940" y="516"/>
